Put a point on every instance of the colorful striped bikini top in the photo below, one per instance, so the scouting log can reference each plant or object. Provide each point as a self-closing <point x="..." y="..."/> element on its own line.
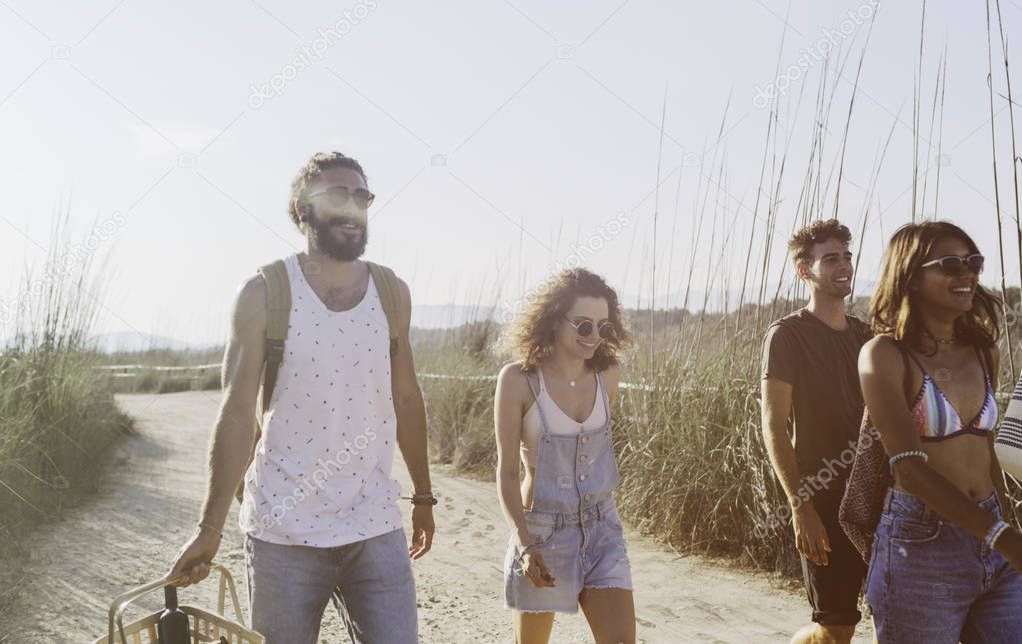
<point x="937" y="419"/>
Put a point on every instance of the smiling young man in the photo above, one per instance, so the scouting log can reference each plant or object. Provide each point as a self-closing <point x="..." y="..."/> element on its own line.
<point x="812" y="407"/>
<point x="319" y="510"/>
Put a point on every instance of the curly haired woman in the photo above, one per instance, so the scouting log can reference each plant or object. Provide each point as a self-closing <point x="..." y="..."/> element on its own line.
<point x="552" y="411"/>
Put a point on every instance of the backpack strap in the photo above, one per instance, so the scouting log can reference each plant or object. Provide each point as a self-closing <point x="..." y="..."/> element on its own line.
<point x="278" y="312"/>
<point x="390" y="297"/>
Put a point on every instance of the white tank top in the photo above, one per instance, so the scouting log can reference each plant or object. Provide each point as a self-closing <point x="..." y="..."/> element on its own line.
<point x="557" y="420"/>
<point x="321" y="475"/>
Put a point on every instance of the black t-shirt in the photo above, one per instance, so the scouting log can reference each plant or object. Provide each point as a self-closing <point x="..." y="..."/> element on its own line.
<point x="821" y="365"/>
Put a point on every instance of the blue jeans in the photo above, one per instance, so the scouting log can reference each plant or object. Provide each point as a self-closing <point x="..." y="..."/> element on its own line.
<point x="370" y="583"/>
<point x="930" y="582"/>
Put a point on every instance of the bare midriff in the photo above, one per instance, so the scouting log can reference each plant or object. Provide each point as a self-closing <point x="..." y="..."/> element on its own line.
<point x="965" y="462"/>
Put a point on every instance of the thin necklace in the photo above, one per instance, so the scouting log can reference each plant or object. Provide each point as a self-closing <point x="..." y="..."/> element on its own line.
<point x="943" y="341"/>
<point x="571" y="381"/>
<point x="943" y="374"/>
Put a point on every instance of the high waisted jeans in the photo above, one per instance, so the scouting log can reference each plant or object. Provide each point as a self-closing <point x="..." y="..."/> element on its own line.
<point x="930" y="582"/>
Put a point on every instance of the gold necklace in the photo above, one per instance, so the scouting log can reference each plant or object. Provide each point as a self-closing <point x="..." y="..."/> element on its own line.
<point x="947" y="342"/>
<point x="943" y="374"/>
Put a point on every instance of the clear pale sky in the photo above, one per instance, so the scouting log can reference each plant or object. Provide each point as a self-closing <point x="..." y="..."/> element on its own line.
<point x="496" y="133"/>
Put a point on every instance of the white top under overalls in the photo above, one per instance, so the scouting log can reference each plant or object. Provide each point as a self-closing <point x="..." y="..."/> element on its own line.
<point x="557" y="420"/>
<point x="321" y="475"/>
<point x="573" y="521"/>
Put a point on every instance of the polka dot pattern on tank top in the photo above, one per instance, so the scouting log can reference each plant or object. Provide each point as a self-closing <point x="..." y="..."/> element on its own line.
<point x="321" y="474"/>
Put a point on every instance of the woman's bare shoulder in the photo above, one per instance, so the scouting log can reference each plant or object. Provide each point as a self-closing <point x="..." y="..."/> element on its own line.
<point x="612" y="374"/>
<point x="512" y="377"/>
<point x="883" y="361"/>
<point x="881" y="351"/>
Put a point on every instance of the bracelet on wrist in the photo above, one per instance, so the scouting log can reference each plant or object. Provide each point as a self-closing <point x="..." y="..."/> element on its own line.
<point x="517" y="566"/>
<point x="425" y="498"/>
<point x="994" y="533"/>
<point x="523" y="550"/>
<point x="908" y="453"/>
<point x="210" y="526"/>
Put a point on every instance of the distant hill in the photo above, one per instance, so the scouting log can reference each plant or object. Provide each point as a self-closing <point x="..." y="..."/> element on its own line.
<point x="431" y="320"/>
<point x="448" y="316"/>
<point x="715" y="299"/>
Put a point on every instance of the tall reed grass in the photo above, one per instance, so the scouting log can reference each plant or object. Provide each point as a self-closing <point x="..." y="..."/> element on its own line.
<point x="56" y="416"/>
<point x="695" y="472"/>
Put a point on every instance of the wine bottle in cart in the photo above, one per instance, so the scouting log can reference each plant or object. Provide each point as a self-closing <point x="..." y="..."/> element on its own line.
<point x="173" y="625"/>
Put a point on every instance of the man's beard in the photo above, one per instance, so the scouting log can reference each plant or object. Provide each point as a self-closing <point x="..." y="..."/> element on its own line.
<point x="343" y="250"/>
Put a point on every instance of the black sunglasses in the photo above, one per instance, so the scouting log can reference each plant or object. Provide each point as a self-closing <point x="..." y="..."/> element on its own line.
<point x="955" y="266"/>
<point x="585" y="328"/>
<point x="339" y="196"/>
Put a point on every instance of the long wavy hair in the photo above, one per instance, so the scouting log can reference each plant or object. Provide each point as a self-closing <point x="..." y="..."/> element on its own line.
<point x="892" y="312"/>
<point x="531" y="337"/>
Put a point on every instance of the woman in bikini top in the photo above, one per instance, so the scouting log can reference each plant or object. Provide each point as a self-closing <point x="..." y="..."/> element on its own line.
<point x="944" y="564"/>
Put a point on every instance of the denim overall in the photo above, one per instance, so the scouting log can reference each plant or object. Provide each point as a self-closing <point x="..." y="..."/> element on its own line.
<point x="574" y="517"/>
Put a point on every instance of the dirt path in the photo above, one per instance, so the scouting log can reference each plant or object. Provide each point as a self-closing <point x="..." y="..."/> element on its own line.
<point x="146" y="505"/>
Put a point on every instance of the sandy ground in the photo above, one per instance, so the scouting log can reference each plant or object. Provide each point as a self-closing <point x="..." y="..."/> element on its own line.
<point x="130" y="531"/>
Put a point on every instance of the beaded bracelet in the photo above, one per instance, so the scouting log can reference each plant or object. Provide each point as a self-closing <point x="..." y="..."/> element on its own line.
<point x="517" y="567"/>
<point x="995" y="532"/>
<point x="212" y="527"/>
<point x="426" y="498"/>
<point x="525" y="549"/>
<point x="912" y="452"/>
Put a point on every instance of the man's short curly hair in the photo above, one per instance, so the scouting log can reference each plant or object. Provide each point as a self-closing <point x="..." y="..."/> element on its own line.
<point x="311" y="171"/>
<point x="800" y="246"/>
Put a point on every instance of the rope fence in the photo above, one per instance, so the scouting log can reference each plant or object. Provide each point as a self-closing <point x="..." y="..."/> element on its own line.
<point x="197" y="371"/>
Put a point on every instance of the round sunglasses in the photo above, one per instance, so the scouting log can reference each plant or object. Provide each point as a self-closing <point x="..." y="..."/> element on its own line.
<point x="585" y="328"/>
<point x="340" y="196"/>
<point x="955" y="266"/>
